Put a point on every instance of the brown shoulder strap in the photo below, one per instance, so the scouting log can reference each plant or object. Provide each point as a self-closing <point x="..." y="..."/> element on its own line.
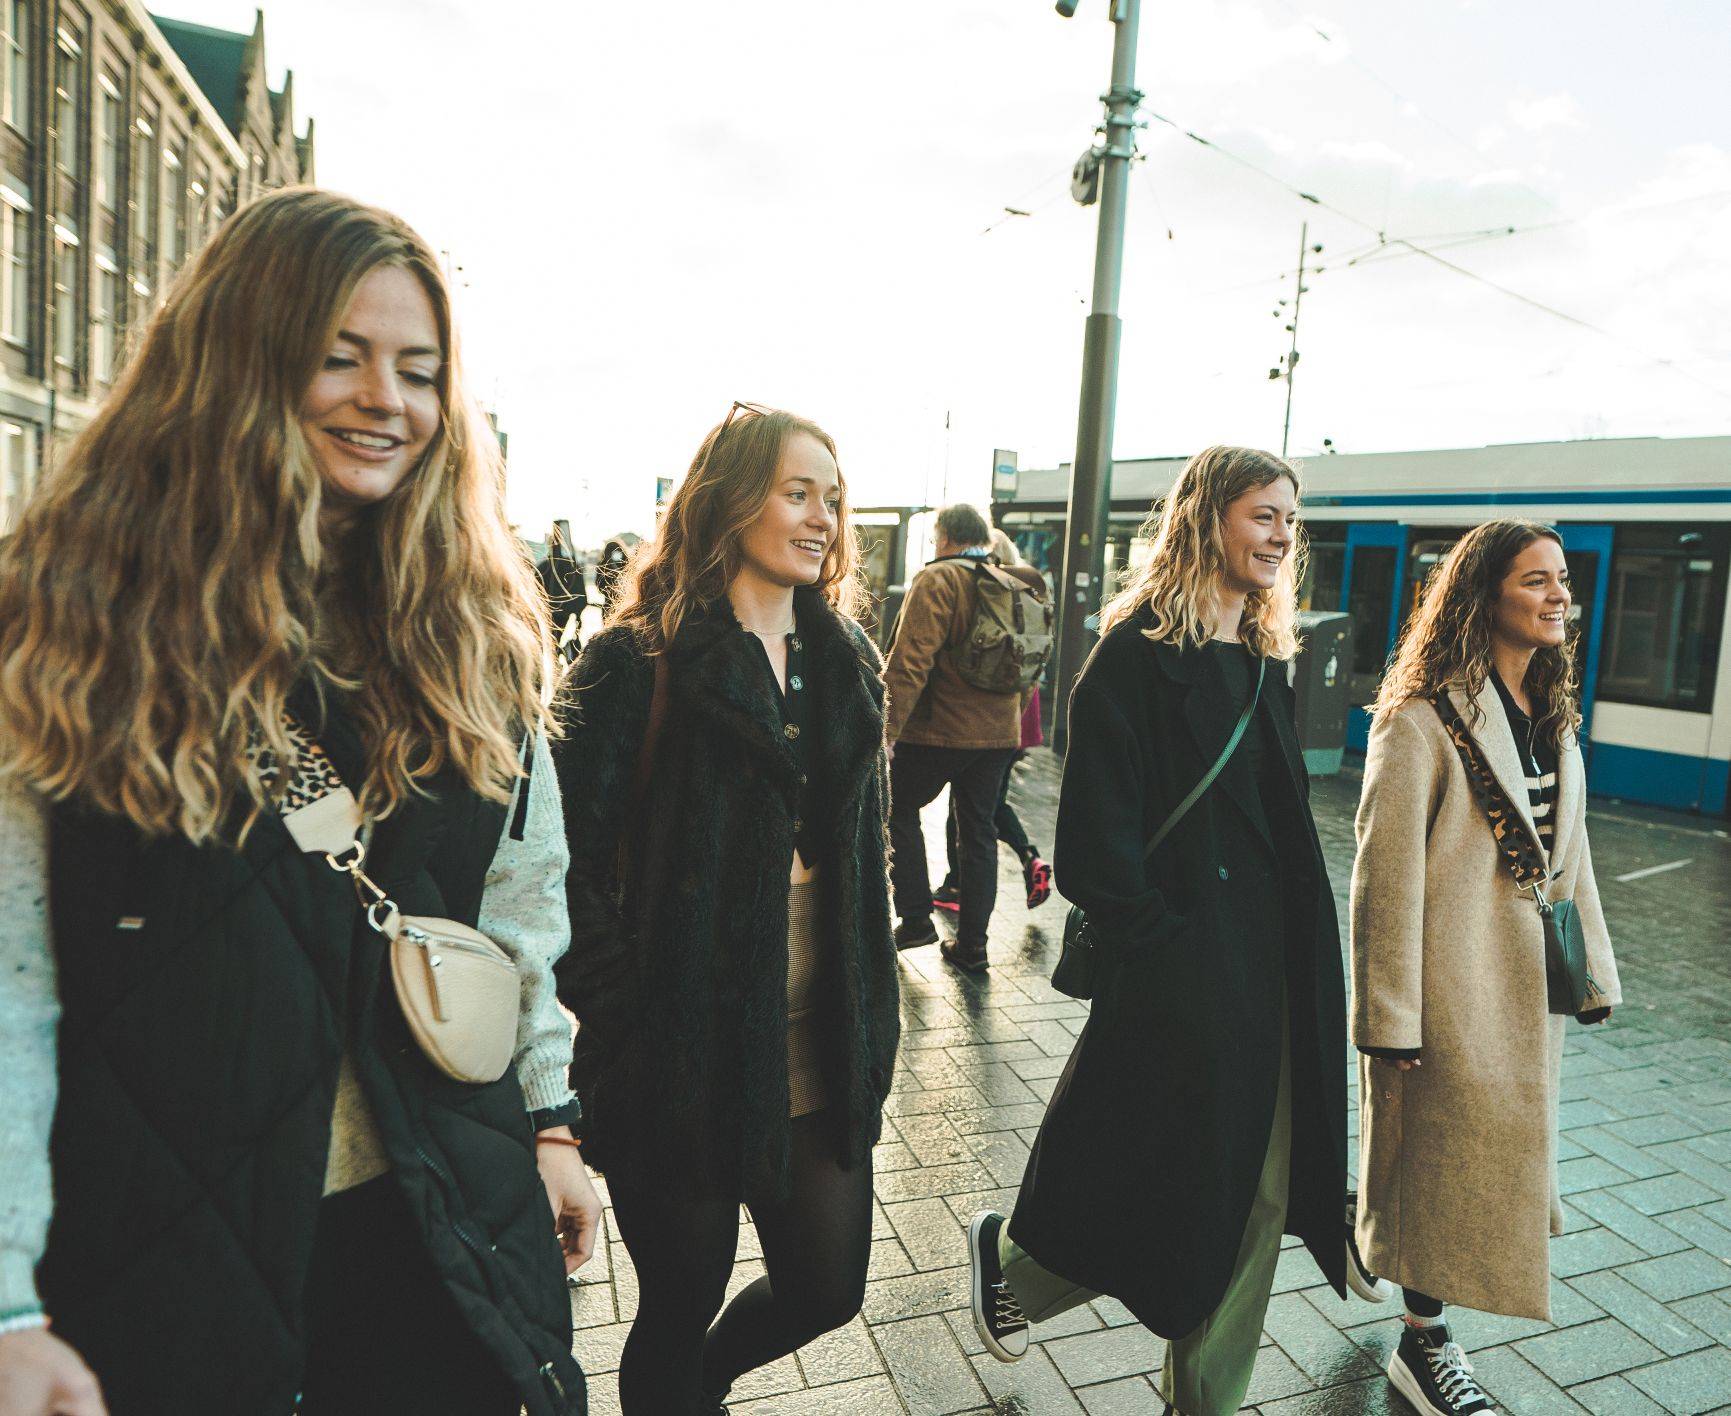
<point x="1516" y="845"/>
<point x="651" y="734"/>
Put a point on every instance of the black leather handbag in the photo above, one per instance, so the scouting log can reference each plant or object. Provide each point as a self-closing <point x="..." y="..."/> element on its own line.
<point x="1568" y="985"/>
<point x="1078" y="962"/>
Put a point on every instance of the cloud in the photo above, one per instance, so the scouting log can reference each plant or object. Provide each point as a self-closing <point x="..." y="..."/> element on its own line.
<point x="1540" y="113"/>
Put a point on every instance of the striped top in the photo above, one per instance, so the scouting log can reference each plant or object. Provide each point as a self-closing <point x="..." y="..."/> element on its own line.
<point x="1538" y="761"/>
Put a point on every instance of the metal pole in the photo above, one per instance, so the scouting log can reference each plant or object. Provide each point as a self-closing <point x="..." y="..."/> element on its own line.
<point x="1292" y="355"/>
<point x="1079" y="587"/>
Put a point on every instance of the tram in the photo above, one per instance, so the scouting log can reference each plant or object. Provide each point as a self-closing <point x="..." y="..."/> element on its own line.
<point x="1646" y="524"/>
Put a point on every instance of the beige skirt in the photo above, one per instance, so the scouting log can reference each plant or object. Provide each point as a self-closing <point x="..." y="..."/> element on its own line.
<point x="805" y="973"/>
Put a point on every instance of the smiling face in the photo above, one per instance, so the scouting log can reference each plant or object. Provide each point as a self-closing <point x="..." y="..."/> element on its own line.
<point x="1257" y="534"/>
<point x="1531" y="610"/>
<point x="373" y="407"/>
<point x="793" y="533"/>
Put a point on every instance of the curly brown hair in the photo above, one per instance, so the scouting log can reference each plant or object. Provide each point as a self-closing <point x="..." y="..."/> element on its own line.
<point x="696" y="553"/>
<point x="1447" y="639"/>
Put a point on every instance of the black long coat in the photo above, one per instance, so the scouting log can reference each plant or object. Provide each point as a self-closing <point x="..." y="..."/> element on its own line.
<point x="680" y="988"/>
<point x="1142" y="1178"/>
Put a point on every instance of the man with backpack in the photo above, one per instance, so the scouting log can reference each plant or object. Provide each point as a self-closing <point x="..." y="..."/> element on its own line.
<point x="969" y="647"/>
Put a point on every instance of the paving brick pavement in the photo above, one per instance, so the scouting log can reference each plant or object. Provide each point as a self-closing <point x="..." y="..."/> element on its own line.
<point x="1641" y="1291"/>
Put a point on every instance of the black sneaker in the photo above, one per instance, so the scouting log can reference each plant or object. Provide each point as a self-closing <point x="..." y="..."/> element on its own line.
<point x="997" y="1314"/>
<point x="947" y="897"/>
<point x="1433" y="1373"/>
<point x="1359" y="1278"/>
<point x="966" y="959"/>
<point x="911" y="933"/>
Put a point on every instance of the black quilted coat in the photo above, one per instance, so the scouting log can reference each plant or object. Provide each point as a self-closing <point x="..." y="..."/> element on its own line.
<point x="198" y="1063"/>
<point x="680" y="987"/>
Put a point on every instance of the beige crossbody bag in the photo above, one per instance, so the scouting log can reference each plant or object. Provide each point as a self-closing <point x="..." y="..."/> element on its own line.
<point x="457" y="989"/>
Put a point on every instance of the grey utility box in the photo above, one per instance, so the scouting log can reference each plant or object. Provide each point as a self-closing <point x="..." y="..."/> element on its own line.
<point x="1320" y="677"/>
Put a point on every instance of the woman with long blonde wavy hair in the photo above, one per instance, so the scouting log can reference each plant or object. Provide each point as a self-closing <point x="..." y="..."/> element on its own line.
<point x="1201" y="1114"/>
<point x="732" y="969"/>
<point x="276" y="564"/>
<point x="1472" y="766"/>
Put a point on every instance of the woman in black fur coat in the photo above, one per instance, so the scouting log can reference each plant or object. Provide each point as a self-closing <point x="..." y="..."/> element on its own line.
<point x="732" y="969"/>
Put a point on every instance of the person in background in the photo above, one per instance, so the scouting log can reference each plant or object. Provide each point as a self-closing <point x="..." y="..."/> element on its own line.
<point x="1202" y="1114"/>
<point x="567" y="592"/>
<point x="945" y="732"/>
<point x="278" y="552"/>
<point x="1036" y="873"/>
<point x="732" y="970"/>
<point x="609" y="570"/>
<point x="1460" y="1060"/>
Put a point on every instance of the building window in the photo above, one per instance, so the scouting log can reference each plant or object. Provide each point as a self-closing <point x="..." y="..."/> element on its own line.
<point x="105" y="319"/>
<point x="198" y="205"/>
<point x="112" y="120"/>
<point x="17" y="470"/>
<point x="15" y="261"/>
<point x="15" y="64"/>
<point x="68" y="102"/>
<point x="146" y="217"/>
<point x="1663" y="617"/>
<point x="65" y="295"/>
<point x="174" y="198"/>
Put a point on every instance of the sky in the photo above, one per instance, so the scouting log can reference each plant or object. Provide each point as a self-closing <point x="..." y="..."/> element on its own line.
<point x="655" y="209"/>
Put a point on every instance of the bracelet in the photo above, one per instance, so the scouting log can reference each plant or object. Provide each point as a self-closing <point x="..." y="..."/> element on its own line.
<point x="22" y="1322"/>
<point x="558" y="1141"/>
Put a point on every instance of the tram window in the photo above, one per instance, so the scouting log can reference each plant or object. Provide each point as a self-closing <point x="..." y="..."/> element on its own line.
<point x="1663" y="616"/>
<point x="1325" y="566"/>
<point x="1372" y="598"/>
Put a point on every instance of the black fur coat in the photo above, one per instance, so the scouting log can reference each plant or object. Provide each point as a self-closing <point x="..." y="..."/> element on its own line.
<point x="679" y="980"/>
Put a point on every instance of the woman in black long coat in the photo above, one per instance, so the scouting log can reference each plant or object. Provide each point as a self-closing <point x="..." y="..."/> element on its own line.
<point x="732" y="968"/>
<point x="1203" y="1111"/>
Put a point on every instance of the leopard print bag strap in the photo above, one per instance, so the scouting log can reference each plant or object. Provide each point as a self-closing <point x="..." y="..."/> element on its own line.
<point x="1515" y="843"/>
<point x="320" y="812"/>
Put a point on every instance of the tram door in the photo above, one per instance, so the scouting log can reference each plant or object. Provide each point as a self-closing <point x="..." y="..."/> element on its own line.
<point x="1370" y="591"/>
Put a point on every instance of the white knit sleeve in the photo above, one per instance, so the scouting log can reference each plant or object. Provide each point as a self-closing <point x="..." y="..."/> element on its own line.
<point x="29" y="1014"/>
<point x="523" y="911"/>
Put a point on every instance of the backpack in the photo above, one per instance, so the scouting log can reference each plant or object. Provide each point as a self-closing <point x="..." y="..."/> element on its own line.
<point x="1009" y="635"/>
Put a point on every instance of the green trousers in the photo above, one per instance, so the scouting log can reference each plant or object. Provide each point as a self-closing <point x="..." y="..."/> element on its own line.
<point x="1207" y="1372"/>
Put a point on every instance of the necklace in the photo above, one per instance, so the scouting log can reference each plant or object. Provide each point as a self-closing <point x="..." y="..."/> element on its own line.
<point x="774" y="633"/>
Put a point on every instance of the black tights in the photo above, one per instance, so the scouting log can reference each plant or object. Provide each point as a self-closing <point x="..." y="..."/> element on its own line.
<point x="816" y="1247"/>
<point x="1422" y="1304"/>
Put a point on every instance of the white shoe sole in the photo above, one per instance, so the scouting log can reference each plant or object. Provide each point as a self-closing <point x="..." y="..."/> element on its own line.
<point x="977" y="1296"/>
<point x="1373" y="1290"/>
<point x="1400" y="1377"/>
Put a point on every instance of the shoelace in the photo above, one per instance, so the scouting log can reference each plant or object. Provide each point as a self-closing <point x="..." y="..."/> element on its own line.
<point x="1006" y="1311"/>
<point x="1453" y="1374"/>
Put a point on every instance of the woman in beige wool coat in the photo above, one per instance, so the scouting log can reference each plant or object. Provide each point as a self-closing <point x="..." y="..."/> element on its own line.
<point x="1461" y="1060"/>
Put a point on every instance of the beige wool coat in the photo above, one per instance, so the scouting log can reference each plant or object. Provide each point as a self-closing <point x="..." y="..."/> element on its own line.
<point x="1458" y="1157"/>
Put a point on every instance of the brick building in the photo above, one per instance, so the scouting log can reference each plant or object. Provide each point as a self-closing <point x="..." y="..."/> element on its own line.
<point x="124" y="140"/>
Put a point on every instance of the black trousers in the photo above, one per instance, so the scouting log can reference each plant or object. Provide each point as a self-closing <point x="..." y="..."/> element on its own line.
<point x="975" y="777"/>
<point x="385" y="1338"/>
<point x="1007" y="824"/>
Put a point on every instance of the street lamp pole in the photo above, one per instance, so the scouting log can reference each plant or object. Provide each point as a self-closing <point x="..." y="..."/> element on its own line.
<point x="1079" y="587"/>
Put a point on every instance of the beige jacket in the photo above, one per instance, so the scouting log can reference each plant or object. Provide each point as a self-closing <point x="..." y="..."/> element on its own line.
<point x="1458" y="1158"/>
<point x="929" y="704"/>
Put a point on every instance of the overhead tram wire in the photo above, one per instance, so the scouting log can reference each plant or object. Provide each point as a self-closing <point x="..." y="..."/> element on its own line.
<point x="1431" y="256"/>
<point x="1466" y="143"/>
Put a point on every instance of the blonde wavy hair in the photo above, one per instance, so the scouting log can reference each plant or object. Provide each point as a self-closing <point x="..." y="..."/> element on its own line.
<point x="167" y="587"/>
<point x="697" y="551"/>
<point x="1177" y="582"/>
<point x="1446" y="641"/>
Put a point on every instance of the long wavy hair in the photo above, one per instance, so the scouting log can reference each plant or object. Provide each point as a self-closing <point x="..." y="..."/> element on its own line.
<point x="697" y="551"/>
<point x="1178" y="581"/>
<point x="1446" y="642"/>
<point x="168" y="585"/>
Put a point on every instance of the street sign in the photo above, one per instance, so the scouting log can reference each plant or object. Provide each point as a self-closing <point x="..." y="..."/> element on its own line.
<point x="1003" y="473"/>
